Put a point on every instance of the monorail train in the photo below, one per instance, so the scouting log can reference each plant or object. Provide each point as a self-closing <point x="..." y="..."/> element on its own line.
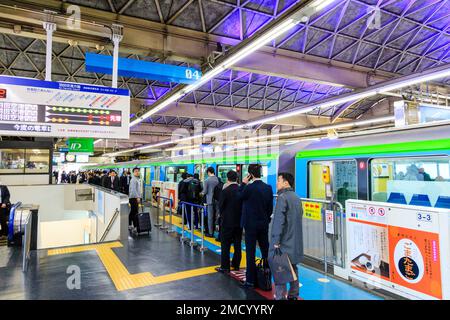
<point x="408" y="166"/>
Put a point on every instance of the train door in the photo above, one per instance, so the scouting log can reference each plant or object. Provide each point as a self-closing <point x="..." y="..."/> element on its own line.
<point x="147" y="184"/>
<point x="328" y="181"/>
<point x="200" y="169"/>
<point x="157" y="174"/>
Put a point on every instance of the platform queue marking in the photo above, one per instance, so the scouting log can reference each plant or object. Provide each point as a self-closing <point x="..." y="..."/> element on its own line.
<point x="119" y="274"/>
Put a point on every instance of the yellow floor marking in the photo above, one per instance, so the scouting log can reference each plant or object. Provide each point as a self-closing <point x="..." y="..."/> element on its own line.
<point x="119" y="274"/>
<point x="177" y="222"/>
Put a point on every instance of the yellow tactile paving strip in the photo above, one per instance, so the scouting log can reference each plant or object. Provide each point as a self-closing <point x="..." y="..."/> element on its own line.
<point x="119" y="274"/>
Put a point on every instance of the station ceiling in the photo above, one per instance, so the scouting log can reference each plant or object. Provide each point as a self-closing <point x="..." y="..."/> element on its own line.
<point x="350" y="44"/>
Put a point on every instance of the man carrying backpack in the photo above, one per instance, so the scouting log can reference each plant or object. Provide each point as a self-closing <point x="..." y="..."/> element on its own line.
<point x="194" y="188"/>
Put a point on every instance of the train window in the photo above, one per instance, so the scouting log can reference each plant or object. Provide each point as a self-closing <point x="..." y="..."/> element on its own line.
<point x="343" y="180"/>
<point x="264" y="172"/>
<point x="222" y="171"/>
<point x="173" y="174"/>
<point x="411" y="180"/>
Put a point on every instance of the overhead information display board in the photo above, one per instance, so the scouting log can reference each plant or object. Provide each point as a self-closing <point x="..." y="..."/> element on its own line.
<point x="400" y="248"/>
<point x="31" y="107"/>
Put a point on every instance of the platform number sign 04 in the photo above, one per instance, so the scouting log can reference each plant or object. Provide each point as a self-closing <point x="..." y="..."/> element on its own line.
<point x="192" y="74"/>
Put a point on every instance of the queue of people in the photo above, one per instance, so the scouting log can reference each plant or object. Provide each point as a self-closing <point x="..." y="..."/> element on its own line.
<point x="107" y="179"/>
<point x="235" y="210"/>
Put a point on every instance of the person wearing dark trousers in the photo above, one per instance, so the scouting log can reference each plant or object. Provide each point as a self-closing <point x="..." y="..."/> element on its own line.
<point x="134" y="198"/>
<point x="182" y="195"/>
<point x="125" y="182"/>
<point x="104" y="179"/>
<point x="257" y="207"/>
<point x="287" y="233"/>
<point x="4" y="211"/>
<point x="112" y="182"/>
<point x="230" y="206"/>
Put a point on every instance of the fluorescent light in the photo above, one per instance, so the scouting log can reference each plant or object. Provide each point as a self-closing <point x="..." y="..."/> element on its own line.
<point x="97" y="141"/>
<point x="320" y="4"/>
<point x="251" y="47"/>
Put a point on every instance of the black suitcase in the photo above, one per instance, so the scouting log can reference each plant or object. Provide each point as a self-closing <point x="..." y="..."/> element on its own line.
<point x="144" y="222"/>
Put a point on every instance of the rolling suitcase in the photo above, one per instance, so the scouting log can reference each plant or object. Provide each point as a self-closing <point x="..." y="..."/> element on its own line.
<point x="144" y="222"/>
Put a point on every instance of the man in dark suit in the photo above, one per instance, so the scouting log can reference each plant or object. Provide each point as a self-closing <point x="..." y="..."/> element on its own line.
<point x="230" y="208"/>
<point x="4" y="211"/>
<point x="113" y="181"/>
<point x="125" y="182"/>
<point x="257" y="207"/>
<point x="104" y="179"/>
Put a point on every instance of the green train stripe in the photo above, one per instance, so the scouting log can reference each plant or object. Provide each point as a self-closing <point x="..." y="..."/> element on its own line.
<point x="414" y="146"/>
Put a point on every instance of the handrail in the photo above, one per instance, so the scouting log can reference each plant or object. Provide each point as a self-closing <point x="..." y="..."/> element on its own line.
<point x="204" y="210"/>
<point x="26" y="243"/>
<point x="163" y="226"/>
<point x="110" y="224"/>
<point x="12" y="214"/>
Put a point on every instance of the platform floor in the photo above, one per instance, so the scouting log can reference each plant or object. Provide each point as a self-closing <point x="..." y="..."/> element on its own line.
<point x="149" y="267"/>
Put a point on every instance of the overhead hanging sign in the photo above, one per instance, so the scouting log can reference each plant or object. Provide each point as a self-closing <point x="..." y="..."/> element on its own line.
<point x="81" y="145"/>
<point x="31" y="107"/>
<point x="133" y="68"/>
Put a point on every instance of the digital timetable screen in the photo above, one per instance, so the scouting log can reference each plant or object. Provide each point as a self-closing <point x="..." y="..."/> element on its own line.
<point x="31" y="107"/>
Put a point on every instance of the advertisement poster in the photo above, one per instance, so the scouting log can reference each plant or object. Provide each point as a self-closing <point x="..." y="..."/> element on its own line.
<point x="312" y="210"/>
<point x="155" y="193"/>
<point x="368" y="250"/>
<point x="32" y="107"/>
<point x="415" y="260"/>
<point x="171" y="195"/>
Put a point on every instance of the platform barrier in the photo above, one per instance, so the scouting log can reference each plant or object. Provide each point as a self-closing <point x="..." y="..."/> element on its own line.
<point x="163" y="225"/>
<point x="324" y="232"/>
<point x="203" y="210"/>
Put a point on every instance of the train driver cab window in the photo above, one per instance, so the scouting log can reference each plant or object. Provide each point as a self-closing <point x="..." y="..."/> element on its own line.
<point x="264" y="172"/>
<point x="422" y="181"/>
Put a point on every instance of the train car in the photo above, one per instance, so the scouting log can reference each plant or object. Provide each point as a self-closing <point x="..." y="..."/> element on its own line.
<point x="169" y="170"/>
<point x="407" y="166"/>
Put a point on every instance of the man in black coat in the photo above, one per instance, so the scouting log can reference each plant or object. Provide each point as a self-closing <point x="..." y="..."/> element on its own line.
<point x="125" y="182"/>
<point x="104" y="179"/>
<point x="4" y="211"/>
<point x="230" y="208"/>
<point x="113" y="181"/>
<point x="257" y="207"/>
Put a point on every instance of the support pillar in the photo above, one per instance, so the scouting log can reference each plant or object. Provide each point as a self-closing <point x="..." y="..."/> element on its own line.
<point x="49" y="27"/>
